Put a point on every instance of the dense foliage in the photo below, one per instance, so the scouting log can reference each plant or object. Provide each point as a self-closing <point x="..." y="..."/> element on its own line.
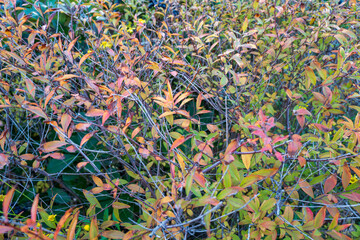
<point x="208" y="119"/>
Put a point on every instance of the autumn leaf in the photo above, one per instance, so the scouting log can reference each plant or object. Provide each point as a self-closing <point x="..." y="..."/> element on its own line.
<point x="319" y="218"/>
<point x="346" y="176"/>
<point x="53" y="146"/>
<point x="119" y="205"/>
<point x="177" y="142"/>
<point x="246" y="158"/>
<point x="330" y="183"/>
<point x="82" y="126"/>
<point x="352" y="196"/>
<point x="38" y="111"/>
<point x="4" y="160"/>
<point x="306" y="187"/>
<point x="87" y="137"/>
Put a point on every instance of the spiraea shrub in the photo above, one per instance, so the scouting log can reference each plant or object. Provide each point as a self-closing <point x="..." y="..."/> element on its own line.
<point x="195" y="119"/>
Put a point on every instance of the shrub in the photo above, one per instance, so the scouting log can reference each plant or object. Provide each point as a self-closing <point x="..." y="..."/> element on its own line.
<point x="234" y="120"/>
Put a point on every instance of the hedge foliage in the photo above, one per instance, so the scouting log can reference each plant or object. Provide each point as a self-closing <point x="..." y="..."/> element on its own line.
<point x="212" y="119"/>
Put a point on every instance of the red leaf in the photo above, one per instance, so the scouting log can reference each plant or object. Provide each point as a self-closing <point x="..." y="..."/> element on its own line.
<point x="309" y="215"/>
<point x="352" y="196"/>
<point x="322" y="128"/>
<point x="330" y="183"/>
<point x="4" y="229"/>
<point x="301" y="120"/>
<point x="279" y="157"/>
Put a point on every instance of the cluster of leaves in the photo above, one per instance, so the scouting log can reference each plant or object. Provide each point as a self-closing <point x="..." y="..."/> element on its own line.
<point x="233" y="120"/>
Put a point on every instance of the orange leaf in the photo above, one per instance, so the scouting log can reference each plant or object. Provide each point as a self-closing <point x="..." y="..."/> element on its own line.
<point x="30" y="87"/>
<point x="166" y="199"/>
<point x="233" y="145"/>
<point x="95" y="112"/>
<point x="72" y="228"/>
<point x="62" y="222"/>
<point x="306" y="187"/>
<point x="97" y="181"/>
<point x="6" y="203"/>
<point x="320" y="217"/>
<point x="83" y="58"/>
<point x="87" y="137"/>
<point x="200" y="179"/>
<point x="65" y="77"/>
<point x="136" y="188"/>
<point x="330" y="183"/>
<point x="4" y="160"/>
<point x="302" y="161"/>
<point x="38" y="111"/>
<point x="119" y="205"/>
<point x="53" y="146"/>
<point x="82" y="126"/>
<point x="346" y="175"/>
<point x="27" y="157"/>
<point x="81" y="165"/>
<point x="177" y="142"/>
<point x="94" y="229"/>
<point x="65" y="121"/>
<point x="34" y="210"/>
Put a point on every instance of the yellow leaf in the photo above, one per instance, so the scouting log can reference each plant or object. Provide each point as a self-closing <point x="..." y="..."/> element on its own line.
<point x="245" y="24"/>
<point x="246" y="158"/>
